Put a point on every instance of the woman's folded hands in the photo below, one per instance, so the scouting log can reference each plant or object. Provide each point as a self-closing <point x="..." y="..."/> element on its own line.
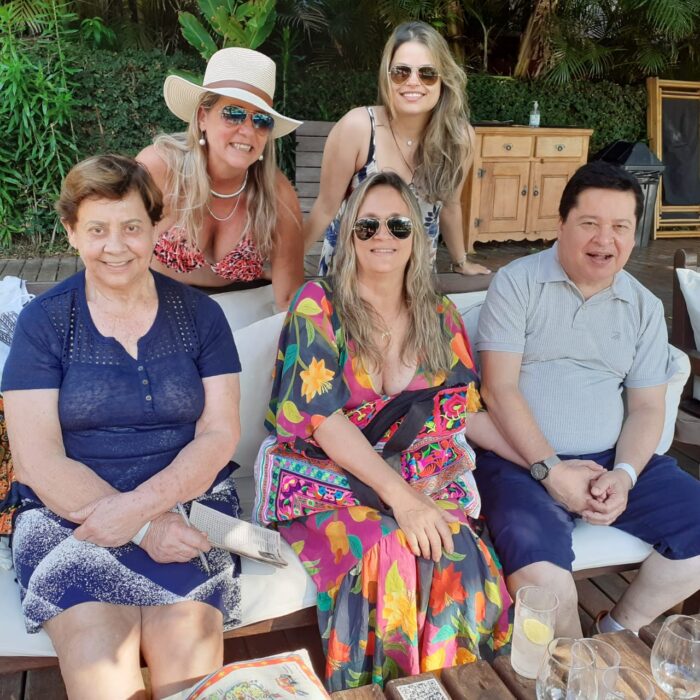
<point x="113" y="520"/>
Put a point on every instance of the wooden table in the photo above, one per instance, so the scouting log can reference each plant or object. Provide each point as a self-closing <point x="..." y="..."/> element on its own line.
<point x="479" y="681"/>
<point x="633" y="652"/>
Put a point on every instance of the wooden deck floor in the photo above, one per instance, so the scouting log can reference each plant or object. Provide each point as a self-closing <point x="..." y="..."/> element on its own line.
<point x="652" y="266"/>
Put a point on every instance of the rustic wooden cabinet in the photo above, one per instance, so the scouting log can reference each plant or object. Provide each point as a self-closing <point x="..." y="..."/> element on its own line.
<point x="515" y="184"/>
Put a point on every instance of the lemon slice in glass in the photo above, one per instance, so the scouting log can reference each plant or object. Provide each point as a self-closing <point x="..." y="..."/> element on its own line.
<point x="537" y="632"/>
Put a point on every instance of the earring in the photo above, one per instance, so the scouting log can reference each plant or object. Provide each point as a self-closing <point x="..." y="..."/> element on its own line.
<point x="261" y="157"/>
<point x="202" y="140"/>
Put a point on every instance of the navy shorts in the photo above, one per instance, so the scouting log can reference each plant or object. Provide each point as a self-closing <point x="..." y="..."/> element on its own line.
<point x="528" y="526"/>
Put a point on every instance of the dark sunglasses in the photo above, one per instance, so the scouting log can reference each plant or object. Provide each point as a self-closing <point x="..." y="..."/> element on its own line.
<point x="399" y="227"/>
<point x="237" y="115"/>
<point x="400" y="73"/>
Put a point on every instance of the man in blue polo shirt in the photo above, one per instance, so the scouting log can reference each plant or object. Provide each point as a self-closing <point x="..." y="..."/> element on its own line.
<point x="562" y="333"/>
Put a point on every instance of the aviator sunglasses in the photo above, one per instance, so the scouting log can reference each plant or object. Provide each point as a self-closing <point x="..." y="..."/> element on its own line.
<point x="400" y="73"/>
<point x="399" y="227"/>
<point x="237" y="115"/>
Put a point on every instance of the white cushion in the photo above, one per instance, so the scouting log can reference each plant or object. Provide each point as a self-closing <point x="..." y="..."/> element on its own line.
<point x="246" y="306"/>
<point x="257" y="349"/>
<point x="604" y="545"/>
<point x="265" y="591"/>
<point x="674" y="389"/>
<point x="689" y="281"/>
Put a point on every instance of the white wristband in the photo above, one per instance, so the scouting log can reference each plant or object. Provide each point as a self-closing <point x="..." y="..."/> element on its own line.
<point x="136" y="539"/>
<point x="629" y="469"/>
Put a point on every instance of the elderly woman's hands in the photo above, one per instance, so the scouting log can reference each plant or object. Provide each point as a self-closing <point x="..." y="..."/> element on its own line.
<point x="169" y="539"/>
<point x="424" y="523"/>
<point x="111" y="521"/>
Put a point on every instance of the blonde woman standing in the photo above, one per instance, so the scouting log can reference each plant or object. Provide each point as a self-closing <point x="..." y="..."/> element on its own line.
<point x="419" y="131"/>
<point x="230" y="213"/>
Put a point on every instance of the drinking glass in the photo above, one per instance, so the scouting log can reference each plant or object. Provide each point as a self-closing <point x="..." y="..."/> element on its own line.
<point x="623" y="682"/>
<point x="605" y="656"/>
<point x="533" y="628"/>
<point x="675" y="658"/>
<point x="567" y="671"/>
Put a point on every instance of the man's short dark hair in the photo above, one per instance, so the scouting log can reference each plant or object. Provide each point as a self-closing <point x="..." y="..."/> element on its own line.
<point x="600" y="174"/>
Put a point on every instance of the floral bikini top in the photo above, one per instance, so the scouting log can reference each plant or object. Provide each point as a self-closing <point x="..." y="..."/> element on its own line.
<point x="244" y="263"/>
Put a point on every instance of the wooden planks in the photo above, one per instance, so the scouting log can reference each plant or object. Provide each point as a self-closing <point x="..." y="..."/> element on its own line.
<point x="477" y="681"/>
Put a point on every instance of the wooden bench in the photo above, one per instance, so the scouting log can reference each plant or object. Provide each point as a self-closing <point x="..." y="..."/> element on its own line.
<point x="310" y="142"/>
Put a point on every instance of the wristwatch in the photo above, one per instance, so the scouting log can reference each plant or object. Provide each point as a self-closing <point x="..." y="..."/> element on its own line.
<point x="540" y="470"/>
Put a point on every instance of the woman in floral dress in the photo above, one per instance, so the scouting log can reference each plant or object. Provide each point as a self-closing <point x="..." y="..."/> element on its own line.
<point x="418" y="587"/>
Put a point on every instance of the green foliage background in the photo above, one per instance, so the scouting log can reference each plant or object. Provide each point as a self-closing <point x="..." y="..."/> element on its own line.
<point x="117" y="106"/>
<point x="122" y="108"/>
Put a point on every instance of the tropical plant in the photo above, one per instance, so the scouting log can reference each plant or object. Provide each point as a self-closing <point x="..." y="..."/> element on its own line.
<point x="246" y="24"/>
<point x="38" y="146"/>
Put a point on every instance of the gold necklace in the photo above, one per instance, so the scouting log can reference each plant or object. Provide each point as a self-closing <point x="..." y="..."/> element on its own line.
<point x="403" y="158"/>
<point x="386" y="334"/>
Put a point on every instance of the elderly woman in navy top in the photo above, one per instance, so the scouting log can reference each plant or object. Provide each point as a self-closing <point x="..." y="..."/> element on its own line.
<point x="121" y="395"/>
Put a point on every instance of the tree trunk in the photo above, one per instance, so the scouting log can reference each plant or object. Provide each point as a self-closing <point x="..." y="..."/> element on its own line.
<point x="535" y="53"/>
<point x="454" y="30"/>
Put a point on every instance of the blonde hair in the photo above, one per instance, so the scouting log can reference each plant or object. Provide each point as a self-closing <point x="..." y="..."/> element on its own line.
<point x="187" y="185"/>
<point x="444" y="150"/>
<point x="427" y="341"/>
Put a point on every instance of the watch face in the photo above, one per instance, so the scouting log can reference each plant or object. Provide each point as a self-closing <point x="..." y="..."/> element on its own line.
<point x="539" y="471"/>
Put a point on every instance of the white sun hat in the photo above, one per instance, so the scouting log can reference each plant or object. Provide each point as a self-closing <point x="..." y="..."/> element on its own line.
<point x="242" y="74"/>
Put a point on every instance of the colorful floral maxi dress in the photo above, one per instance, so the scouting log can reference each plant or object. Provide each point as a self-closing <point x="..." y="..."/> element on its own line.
<point x="383" y="612"/>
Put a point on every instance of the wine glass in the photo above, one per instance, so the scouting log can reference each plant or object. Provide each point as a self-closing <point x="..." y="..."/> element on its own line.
<point x="675" y="658"/>
<point x="567" y="671"/>
<point x="622" y="682"/>
<point x="605" y="656"/>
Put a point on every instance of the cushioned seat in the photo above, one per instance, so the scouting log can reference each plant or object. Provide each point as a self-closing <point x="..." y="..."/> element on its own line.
<point x="268" y="592"/>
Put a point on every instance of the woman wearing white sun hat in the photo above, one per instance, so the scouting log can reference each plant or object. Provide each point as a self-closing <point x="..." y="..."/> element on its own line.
<point x="228" y="209"/>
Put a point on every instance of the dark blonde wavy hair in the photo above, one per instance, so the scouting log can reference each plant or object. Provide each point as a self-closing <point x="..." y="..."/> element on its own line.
<point x="445" y="149"/>
<point x="427" y="341"/>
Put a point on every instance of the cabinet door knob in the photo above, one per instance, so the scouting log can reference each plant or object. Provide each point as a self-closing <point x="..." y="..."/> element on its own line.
<point x="508" y="146"/>
<point x="524" y="191"/>
<point x="535" y="192"/>
<point x="560" y="147"/>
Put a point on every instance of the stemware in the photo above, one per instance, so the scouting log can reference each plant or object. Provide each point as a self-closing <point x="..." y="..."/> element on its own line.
<point x="675" y="657"/>
<point x="567" y="671"/>
<point x="623" y="682"/>
<point x="605" y="656"/>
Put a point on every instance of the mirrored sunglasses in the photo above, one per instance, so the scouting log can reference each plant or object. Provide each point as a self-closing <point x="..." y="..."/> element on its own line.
<point x="237" y="115"/>
<point x="400" y="73"/>
<point x="399" y="227"/>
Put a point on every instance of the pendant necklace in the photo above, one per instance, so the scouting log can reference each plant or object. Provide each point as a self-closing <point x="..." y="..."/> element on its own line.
<point x="219" y="195"/>
<point x="403" y="157"/>
<point x="386" y="335"/>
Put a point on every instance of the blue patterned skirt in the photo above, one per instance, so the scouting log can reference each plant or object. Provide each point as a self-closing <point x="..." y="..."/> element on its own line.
<point x="55" y="571"/>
